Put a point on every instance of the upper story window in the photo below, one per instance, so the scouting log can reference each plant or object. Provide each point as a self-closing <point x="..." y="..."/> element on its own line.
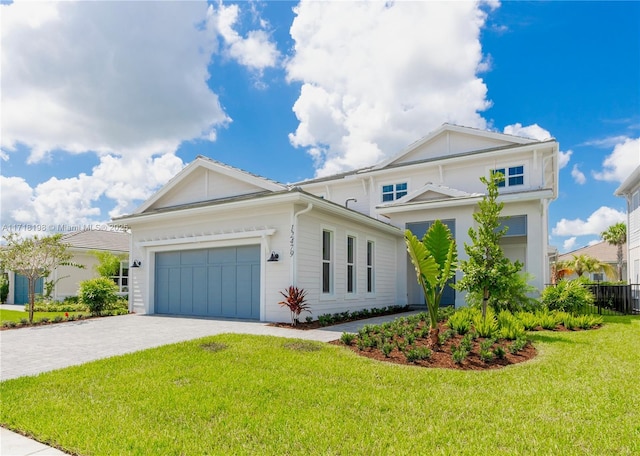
<point x="394" y="191"/>
<point x="514" y="175"/>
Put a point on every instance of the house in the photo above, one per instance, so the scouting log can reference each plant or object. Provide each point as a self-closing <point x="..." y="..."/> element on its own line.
<point x="218" y="241"/>
<point x="604" y="253"/>
<point x="66" y="279"/>
<point x="630" y="190"/>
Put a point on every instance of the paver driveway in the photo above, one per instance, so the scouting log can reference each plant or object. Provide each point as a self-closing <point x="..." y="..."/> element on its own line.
<point x="30" y="351"/>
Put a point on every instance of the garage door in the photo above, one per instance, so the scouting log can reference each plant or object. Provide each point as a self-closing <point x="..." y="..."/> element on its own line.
<point x="221" y="282"/>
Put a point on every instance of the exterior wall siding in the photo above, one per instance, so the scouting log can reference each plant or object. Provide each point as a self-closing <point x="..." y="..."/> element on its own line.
<point x="309" y="261"/>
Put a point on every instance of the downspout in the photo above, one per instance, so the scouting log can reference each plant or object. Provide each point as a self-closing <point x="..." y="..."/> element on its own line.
<point x="294" y="243"/>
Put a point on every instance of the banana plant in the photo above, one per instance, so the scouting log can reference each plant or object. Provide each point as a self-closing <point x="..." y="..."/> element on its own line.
<point x="435" y="260"/>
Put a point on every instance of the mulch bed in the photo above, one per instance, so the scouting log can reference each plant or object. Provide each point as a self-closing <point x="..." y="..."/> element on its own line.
<point x="442" y="354"/>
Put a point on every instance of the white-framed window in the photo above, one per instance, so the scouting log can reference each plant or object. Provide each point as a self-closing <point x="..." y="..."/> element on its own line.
<point x="327" y="262"/>
<point x="351" y="264"/>
<point x="635" y="201"/>
<point x="393" y="192"/>
<point x="513" y="175"/>
<point x="370" y="267"/>
<point x="122" y="279"/>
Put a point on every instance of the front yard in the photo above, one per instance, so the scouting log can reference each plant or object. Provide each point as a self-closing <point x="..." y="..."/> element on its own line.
<point x="238" y="394"/>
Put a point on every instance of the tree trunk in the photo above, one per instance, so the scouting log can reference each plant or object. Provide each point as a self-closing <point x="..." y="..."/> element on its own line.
<point x="32" y="297"/>
<point x="434" y="335"/>
<point x="620" y="262"/>
<point x="485" y="300"/>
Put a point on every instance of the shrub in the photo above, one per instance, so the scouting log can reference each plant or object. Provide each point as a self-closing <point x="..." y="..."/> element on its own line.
<point x="461" y="321"/>
<point x="53" y="306"/>
<point x="528" y="319"/>
<point x="568" y="296"/>
<point x="458" y="354"/>
<point x="325" y="319"/>
<point x="4" y="287"/>
<point x="517" y="345"/>
<point x="499" y="352"/>
<point x="510" y="327"/>
<point x="485" y="327"/>
<point x="97" y="294"/>
<point x="295" y="300"/>
<point x="588" y="321"/>
<point x="387" y="348"/>
<point x="417" y="354"/>
<point x="514" y="297"/>
<point x="547" y="319"/>
<point x="347" y="338"/>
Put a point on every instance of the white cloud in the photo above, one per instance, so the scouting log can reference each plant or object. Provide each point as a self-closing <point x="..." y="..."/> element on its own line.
<point x="563" y="158"/>
<point x="534" y="131"/>
<point x="72" y="201"/>
<point x="256" y="50"/>
<point x="124" y="80"/>
<point x="15" y="201"/>
<point x="373" y="85"/>
<point x="597" y="222"/>
<point x="130" y="179"/>
<point x="578" y="176"/>
<point x="622" y="161"/>
<point x="569" y="244"/>
<point x="84" y="78"/>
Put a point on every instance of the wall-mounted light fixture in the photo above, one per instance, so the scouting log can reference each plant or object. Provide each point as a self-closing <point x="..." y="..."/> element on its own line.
<point x="274" y="256"/>
<point x="136" y="264"/>
<point x="346" y="203"/>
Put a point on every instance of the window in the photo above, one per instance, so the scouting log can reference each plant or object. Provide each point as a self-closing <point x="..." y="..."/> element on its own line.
<point x="635" y="201"/>
<point x="370" y="272"/>
<point x="513" y="176"/>
<point x="393" y="192"/>
<point x="327" y="262"/>
<point x="122" y="279"/>
<point x="351" y="264"/>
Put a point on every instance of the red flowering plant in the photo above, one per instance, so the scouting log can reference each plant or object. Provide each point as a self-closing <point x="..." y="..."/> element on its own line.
<point x="295" y="300"/>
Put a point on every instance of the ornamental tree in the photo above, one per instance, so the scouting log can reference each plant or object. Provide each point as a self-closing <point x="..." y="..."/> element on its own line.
<point x="34" y="258"/>
<point x="487" y="271"/>
<point x="435" y="260"/>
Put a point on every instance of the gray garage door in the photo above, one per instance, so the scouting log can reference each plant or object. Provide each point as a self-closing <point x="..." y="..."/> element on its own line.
<point x="221" y="282"/>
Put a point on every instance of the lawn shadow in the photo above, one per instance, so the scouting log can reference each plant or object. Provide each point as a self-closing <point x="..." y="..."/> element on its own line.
<point x="551" y="338"/>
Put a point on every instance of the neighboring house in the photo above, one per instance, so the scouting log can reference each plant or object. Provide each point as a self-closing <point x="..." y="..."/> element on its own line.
<point x="630" y="190"/>
<point x="205" y="240"/>
<point x="67" y="279"/>
<point x="603" y="252"/>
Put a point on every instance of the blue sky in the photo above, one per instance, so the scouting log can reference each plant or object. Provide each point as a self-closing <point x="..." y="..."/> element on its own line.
<point x="103" y="102"/>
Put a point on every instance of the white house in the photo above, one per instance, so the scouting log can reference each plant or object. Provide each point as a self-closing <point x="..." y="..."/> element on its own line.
<point x="81" y="244"/>
<point x="630" y="190"/>
<point x="204" y="242"/>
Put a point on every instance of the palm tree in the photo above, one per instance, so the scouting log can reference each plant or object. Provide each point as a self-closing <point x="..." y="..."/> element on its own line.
<point x="616" y="235"/>
<point x="585" y="263"/>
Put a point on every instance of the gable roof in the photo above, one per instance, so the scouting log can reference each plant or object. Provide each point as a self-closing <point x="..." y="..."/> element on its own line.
<point x="431" y="191"/>
<point x="446" y="128"/>
<point x="116" y="241"/>
<point x="602" y="251"/>
<point x="212" y="165"/>
<point x="504" y="144"/>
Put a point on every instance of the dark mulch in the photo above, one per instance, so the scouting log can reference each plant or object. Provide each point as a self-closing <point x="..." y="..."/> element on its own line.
<point x="442" y="354"/>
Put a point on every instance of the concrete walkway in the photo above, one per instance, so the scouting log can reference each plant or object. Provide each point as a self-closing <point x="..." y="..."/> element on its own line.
<point x="31" y="351"/>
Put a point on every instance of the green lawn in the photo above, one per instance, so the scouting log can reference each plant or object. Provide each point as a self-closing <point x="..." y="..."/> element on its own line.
<point x="265" y="395"/>
<point x="15" y="315"/>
